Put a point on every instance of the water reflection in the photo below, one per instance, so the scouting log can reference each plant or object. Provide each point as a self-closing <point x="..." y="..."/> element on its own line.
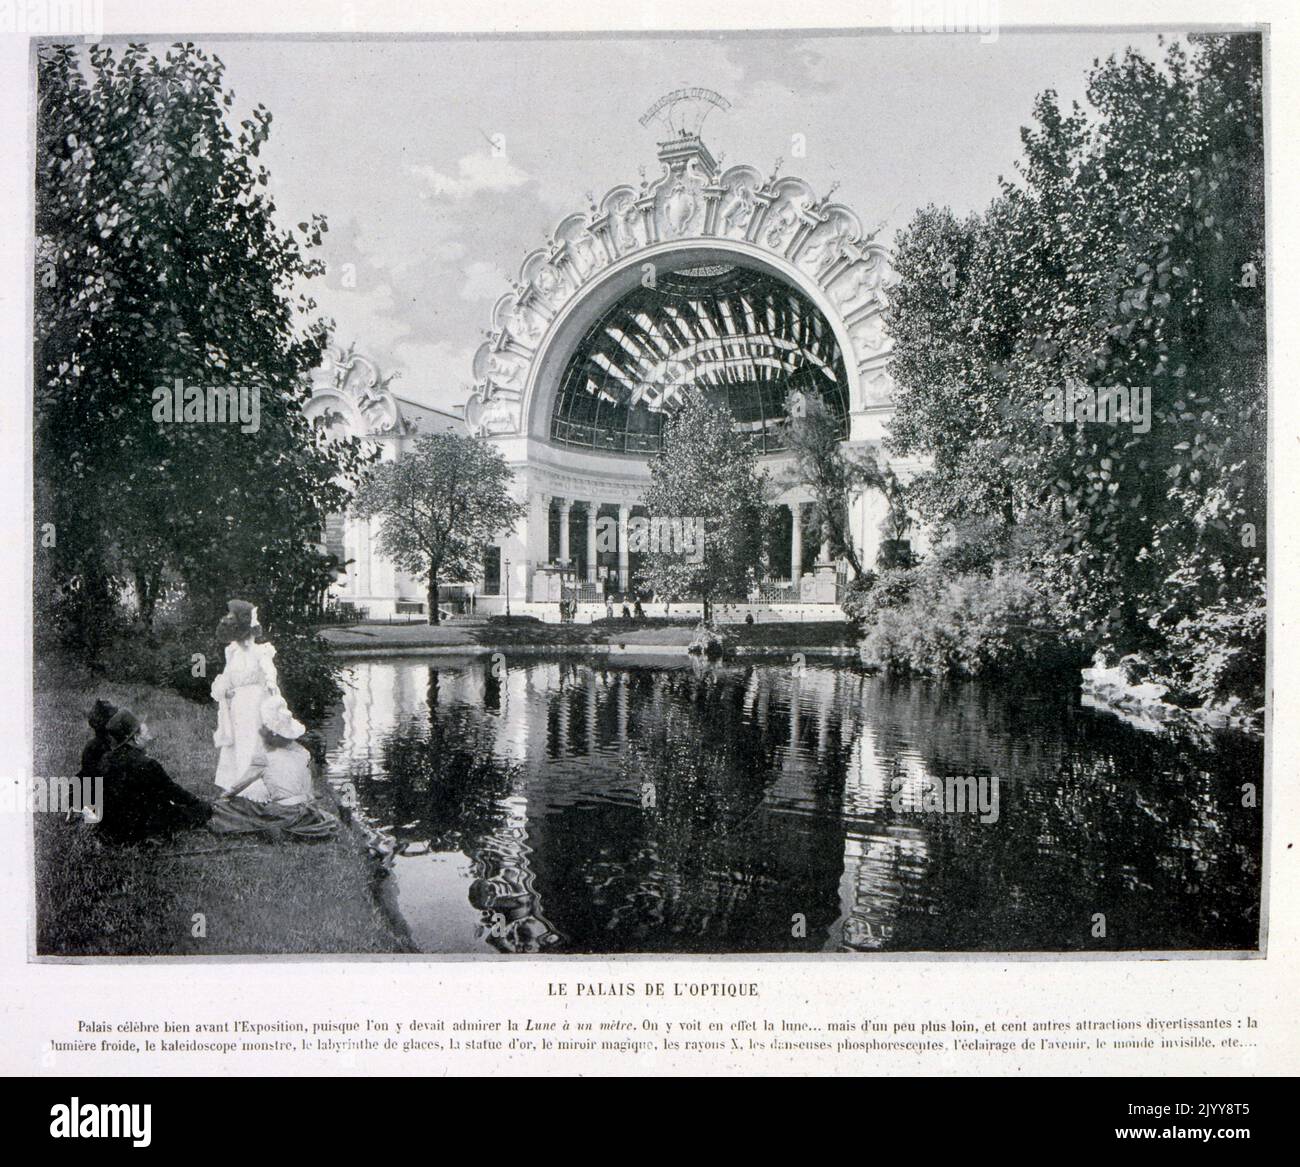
<point x="574" y="807"/>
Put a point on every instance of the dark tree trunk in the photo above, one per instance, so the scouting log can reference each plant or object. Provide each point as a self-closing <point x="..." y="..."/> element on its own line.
<point x="433" y="598"/>
<point x="146" y="586"/>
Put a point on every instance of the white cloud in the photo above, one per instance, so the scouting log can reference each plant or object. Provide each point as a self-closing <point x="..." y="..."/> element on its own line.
<point x="437" y="373"/>
<point x="482" y="282"/>
<point x="477" y="172"/>
<point x="447" y="251"/>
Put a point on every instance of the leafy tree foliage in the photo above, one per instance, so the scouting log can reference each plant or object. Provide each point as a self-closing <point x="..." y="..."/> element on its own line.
<point x="159" y="260"/>
<point x="834" y="474"/>
<point x="440" y="505"/>
<point x="705" y="470"/>
<point x="1127" y="254"/>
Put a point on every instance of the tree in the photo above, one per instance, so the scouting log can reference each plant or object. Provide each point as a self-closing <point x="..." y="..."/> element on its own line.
<point x="835" y="475"/>
<point x="1127" y="258"/>
<point x="706" y="471"/>
<point x="440" y="505"/>
<point x="159" y="262"/>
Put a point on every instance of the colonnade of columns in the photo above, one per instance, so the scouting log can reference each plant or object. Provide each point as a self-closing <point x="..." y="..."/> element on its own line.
<point x="591" y="507"/>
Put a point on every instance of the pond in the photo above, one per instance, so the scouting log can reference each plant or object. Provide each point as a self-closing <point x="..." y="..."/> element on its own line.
<point x="668" y="806"/>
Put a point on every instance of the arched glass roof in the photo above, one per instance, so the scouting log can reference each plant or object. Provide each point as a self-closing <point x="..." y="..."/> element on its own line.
<point x="744" y="338"/>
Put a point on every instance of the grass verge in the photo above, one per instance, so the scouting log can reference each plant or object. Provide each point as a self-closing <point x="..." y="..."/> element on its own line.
<point x="250" y="896"/>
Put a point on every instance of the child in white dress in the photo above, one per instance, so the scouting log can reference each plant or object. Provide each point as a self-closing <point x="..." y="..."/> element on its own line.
<point x="281" y="767"/>
<point x="280" y="771"/>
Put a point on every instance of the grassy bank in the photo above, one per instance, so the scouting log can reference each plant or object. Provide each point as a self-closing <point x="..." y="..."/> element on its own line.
<point x="533" y="633"/>
<point x="254" y="896"/>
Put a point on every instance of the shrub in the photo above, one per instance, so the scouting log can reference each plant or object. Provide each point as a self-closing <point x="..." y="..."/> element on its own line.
<point x="965" y="626"/>
<point x="309" y="673"/>
<point x="855" y="596"/>
<point x="165" y="659"/>
<point x="1216" y="654"/>
<point x="708" y="641"/>
<point x="887" y="590"/>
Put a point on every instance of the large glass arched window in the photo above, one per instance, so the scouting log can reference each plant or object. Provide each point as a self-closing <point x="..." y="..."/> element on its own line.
<point x="745" y="339"/>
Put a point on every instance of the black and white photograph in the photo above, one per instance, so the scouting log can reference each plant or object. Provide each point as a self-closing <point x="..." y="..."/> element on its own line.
<point x="796" y="493"/>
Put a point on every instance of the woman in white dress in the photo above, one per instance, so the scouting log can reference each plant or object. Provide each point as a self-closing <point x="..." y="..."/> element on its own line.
<point x="239" y="690"/>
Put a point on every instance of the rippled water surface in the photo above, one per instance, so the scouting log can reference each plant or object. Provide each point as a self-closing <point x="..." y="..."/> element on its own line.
<point x="565" y="806"/>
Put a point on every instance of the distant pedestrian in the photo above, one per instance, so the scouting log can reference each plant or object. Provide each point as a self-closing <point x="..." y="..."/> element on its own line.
<point x="609" y="608"/>
<point x="627" y="613"/>
<point x="638" y="611"/>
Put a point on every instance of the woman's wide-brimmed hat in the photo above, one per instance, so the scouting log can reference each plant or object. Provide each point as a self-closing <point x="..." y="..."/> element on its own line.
<point x="240" y="619"/>
<point x="276" y="717"/>
<point x="122" y="725"/>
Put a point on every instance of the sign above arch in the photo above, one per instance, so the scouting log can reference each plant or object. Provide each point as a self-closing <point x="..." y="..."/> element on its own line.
<point x="694" y="206"/>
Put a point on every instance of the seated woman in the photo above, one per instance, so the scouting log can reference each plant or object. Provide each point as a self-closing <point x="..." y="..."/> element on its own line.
<point x="280" y="773"/>
<point x="140" y="798"/>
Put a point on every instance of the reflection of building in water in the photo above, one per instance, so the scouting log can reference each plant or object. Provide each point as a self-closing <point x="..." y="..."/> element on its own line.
<point x="504" y="888"/>
<point x="737" y="845"/>
<point x="818" y="813"/>
<point x="869" y="888"/>
<point x="772" y="797"/>
<point x="384" y="698"/>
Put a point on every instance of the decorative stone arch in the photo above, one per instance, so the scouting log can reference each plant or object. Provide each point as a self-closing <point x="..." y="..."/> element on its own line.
<point x="694" y="214"/>
<point x="578" y="315"/>
<point x="351" y="399"/>
<point x="350" y="394"/>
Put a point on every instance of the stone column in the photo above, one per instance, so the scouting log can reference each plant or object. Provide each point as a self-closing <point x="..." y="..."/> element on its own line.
<point x="796" y="542"/>
<point x="624" y="513"/>
<point x="536" y="546"/>
<point x="565" y="504"/>
<point x="592" y="508"/>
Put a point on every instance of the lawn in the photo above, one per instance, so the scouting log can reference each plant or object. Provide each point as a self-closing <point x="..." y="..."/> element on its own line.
<point x="248" y="896"/>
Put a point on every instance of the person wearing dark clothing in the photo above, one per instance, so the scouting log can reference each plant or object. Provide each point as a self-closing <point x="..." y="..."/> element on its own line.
<point x="140" y="798"/>
<point x="92" y="757"/>
<point x="638" y="611"/>
<point x="627" y="613"/>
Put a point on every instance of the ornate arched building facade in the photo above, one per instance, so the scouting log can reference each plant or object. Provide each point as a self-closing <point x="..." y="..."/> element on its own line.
<point x="351" y="397"/>
<point x="705" y="279"/>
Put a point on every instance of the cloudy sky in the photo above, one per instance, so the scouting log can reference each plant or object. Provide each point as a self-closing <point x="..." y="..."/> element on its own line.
<point x="391" y="140"/>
